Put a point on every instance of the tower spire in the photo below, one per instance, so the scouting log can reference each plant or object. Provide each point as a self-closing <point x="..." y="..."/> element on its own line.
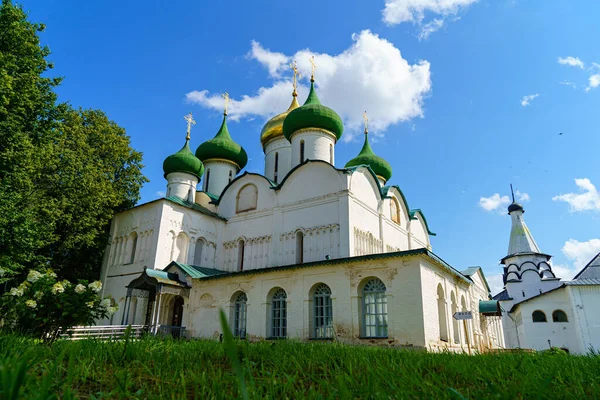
<point x="512" y="192"/>
<point x="225" y="96"/>
<point x="366" y="118"/>
<point x="297" y="76"/>
<point x="313" y="66"/>
<point x="190" y="122"/>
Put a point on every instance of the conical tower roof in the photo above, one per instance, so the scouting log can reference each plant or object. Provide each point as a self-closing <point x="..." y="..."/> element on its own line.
<point x="521" y="239"/>
<point x="312" y="114"/>
<point x="183" y="161"/>
<point x="274" y="127"/>
<point x="223" y="147"/>
<point x="367" y="157"/>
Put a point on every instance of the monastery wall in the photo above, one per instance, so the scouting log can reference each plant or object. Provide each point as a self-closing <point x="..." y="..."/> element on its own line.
<point x="584" y="300"/>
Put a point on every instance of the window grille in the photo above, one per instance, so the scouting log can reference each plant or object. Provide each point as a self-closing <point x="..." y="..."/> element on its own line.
<point x="374" y="309"/>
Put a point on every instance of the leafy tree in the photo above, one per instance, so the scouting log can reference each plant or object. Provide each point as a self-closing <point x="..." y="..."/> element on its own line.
<point x="64" y="172"/>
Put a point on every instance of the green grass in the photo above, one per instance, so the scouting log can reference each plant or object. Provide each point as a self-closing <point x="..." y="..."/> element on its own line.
<point x="153" y="368"/>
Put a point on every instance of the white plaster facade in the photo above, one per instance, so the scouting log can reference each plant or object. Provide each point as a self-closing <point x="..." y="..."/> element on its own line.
<point x="316" y="225"/>
<point x="538" y="310"/>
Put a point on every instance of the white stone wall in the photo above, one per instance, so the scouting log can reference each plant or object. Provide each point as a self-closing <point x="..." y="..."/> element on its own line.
<point x="283" y="148"/>
<point x="316" y="146"/>
<point x="182" y="185"/>
<point x="220" y="171"/>
<point x="584" y="301"/>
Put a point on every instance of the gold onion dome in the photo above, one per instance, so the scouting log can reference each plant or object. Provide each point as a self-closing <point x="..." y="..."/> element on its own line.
<point x="274" y="127"/>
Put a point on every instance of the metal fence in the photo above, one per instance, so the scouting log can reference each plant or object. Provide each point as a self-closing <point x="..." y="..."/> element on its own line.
<point x="117" y="332"/>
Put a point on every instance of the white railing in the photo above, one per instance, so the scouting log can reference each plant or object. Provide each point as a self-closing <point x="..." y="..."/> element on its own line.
<point x="117" y="332"/>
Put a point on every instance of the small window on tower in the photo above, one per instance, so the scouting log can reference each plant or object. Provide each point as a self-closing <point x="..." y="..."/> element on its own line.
<point x="230" y="175"/>
<point x="302" y="151"/>
<point x="395" y="211"/>
<point x="206" y="180"/>
<point x="538" y="316"/>
<point x="276" y="167"/>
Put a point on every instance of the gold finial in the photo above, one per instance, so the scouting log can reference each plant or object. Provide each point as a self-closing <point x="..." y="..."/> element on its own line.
<point x="190" y="122"/>
<point x="312" y="63"/>
<point x="366" y="118"/>
<point x="225" y="96"/>
<point x="297" y="76"/>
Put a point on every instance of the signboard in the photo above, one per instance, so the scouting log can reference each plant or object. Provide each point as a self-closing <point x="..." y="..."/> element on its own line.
<point x="462" y="315"/>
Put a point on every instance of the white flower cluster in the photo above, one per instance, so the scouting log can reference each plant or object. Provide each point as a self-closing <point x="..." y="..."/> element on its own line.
<point x="95" y="286"/>
<point x="34" y="276"/>
<point x="31" y="303"/>
<point x="79" y="288"/>
<point x="2" y="272"/>
<point x="16" y="291"/>
<point x="90" y="304"/>
<point x="58" y="287"/>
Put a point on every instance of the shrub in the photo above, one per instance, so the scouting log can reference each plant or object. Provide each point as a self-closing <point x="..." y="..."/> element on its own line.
<point x="42" y="305"/>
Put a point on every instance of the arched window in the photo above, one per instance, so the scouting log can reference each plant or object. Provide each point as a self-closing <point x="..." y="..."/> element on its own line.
<point x="276" y="167"/>
<point x="299" y="247"/>
<point x="240" y="261"/>
<point x="322" y="312"/>
<point x="279" y="314"/>
<point x="301" y="150"/>
<point x="330" y="153"/>
<point x="374" y="309"/>
<point x="455" y="326"/>
<point x="246" y="198"/>
<point x="559" y="316"/>
<point x="132" y="248"/>
<point x="198" y="252"/>
<point x="230" y="175"/>
<point x="206" y="180"/>
<point x="441" y="302"/>
<point x="538" y="316"/>
<point x="239" y="315"/>
<point x="181" y="248"/>
<point x="395" y="210"/>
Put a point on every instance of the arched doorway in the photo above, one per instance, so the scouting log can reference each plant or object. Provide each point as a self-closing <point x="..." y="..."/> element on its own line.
<point x="177" y="316"/>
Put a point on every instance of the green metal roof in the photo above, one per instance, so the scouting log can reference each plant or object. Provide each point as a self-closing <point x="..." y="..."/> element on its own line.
<point x="222" y="146"/>
<point x="489" y="307"/>
<point x="312" y="114"/>
<point x="367" y="157"/>
<point x="183" y="161"/>
<point x="163" y="277"/>
<point x="195" y="271"/>
<point x="399" y="254"/>
<point x="412" y="216"/>
<point x="194" y="206"/>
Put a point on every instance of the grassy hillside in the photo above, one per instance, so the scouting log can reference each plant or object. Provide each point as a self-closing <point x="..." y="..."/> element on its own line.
<point x="153" y="368"/>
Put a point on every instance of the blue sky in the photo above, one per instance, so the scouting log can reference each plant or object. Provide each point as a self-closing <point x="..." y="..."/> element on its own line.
<point x="444" y="82"/>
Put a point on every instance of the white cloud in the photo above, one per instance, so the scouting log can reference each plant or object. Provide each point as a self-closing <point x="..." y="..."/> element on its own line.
<point x="526" y="100"/>
<point x="587" y="199"/>
<point x="160" y="193"/>
<point x="563" y="271"/>
<point x="568" y="83"/>
<point x="275" y="62"/>
<point x="580" y="253"/>
<point x="399" y="11"/>
<point x="594" y="82"/>
<point x="571" y="61"/>
<point x="496" y="283"/>
<point x="494" y="202"/>
<point x="371" y="74"/>
<point x="522" y="197"/>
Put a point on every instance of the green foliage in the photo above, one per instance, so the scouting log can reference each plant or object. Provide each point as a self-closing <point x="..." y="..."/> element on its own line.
<point x="41" y="306"/>
<point x="152" y="369"/>
<point x="64" y="172"/>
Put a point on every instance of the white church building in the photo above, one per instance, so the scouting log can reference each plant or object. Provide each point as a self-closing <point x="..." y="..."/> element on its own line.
<point x="539" y="310"/>
<point x="306" y="251"/>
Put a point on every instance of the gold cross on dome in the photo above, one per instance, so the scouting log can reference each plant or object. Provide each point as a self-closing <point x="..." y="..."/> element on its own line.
<point x="294" y="68"/>
<point x="313" y="66"/>
<point x="190" y="122"/>
<point x="366" y="118"/>
<point x="227" y="99"/>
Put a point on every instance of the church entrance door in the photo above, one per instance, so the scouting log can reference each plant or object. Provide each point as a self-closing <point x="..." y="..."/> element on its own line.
<point x="177" y="315"/>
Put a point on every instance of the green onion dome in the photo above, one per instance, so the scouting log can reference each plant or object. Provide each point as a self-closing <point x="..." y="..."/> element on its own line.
<point x="183" y="161"/>
<point x="312" y="114"/>
<point x="223" y="147"/>
<point x="367" y="157"/>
